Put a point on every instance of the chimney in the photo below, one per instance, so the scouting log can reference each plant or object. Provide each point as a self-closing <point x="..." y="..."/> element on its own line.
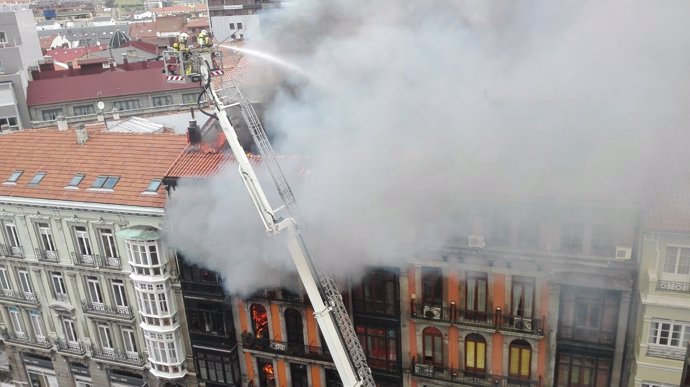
<point x="125" y="61"/>
<point x="116" y="114"/>
<point x="61" y="122"/>
<point x="82" y="136"/>
<point x="193" y="133"/>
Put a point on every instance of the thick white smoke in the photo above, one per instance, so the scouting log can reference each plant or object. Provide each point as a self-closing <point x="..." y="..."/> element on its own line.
<point x="420" y="104"/>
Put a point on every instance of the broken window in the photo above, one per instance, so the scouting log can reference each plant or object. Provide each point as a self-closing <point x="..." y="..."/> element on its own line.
<point x="259" y="321"/>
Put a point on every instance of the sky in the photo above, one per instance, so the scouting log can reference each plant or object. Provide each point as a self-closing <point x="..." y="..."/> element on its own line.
<point x="406" y="108"/>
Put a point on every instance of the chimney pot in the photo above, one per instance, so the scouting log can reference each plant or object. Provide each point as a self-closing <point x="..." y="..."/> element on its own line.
<point x="61" y="122"/>
<point x="193" y="133"/>
<point x="81" y="133"/>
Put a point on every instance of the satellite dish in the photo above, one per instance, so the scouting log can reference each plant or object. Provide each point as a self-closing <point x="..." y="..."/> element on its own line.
<point x="100" y="105"/>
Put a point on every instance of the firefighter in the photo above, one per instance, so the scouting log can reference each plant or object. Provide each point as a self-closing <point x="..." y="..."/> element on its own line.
<point x="204" y="40"/>
<point x="181" y="46"/>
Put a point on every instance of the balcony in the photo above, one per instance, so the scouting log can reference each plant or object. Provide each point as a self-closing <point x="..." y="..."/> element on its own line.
<point x="113" y="263"/>
<point x="532" y="326"/>
<point x="12" y="251"/>
<point x="673" y="286"/>
<point x="19" y="297"/>
<point x="47" y="255"/>
<point x="466" y="378"/>
<point x="119" y="312"/>
<point x="84" y="260"/>
<point x="431" y="312"/>
<point x="475" y="318"/>
<point x="71" y="347"/>
<point x="375" y="308"/>
<point x="280" y="296"/>
<point x="26" y="340"/>
<point x="285" y="348"/>
<point x="117" y="356"/>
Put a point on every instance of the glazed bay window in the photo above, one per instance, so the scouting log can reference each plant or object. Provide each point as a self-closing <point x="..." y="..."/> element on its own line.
<point x="153" y="300"/>
<point x="144" y="258"/>
<point x="129" y="104"/>
<point x="217" y="367"/>
<point x="162" y="348"/>
<point x="582" y="371"/>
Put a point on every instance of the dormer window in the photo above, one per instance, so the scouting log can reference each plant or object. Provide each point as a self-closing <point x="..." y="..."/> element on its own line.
<point x="14" y="176"/>
<point x="105" y="182"/>
<point x="37" y="178"/>
<point x="153" y="186"/>
<point x="76" y="180"/>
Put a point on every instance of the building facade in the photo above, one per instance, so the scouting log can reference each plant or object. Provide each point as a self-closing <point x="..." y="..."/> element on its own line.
<point x="89" y="294"/>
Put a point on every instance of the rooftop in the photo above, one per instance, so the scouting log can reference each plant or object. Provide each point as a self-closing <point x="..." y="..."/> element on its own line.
<point x="134" y="159"/>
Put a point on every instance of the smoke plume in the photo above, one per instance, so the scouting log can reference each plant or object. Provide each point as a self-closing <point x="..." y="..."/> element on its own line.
<point x="415" y="106"/>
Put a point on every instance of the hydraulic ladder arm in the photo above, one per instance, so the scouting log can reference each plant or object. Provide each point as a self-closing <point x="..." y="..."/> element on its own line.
<point x="320" y="285"/>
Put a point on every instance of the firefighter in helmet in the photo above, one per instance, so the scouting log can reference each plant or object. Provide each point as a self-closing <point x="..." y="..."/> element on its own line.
<point x="181" y="46"/>
<point x="204" y="40"/>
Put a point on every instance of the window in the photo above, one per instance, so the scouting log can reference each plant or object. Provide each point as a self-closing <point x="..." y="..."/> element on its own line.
<point x="37" y="178"/>
<point x="162" y="100"/>
<point x="432" y="286"/>
<point x="294" y="327"/>
<point x="571" y="237"/>
<point x="239" y="26"/>
<point x="475" y="354"/>
<point x="218" y="368"/>
<point x="36" y="325"/>
<point x="59" y="288"/>
<point x="10" y="122"/>
<point x="82" y="239"/>
<point x="162" y="348"/>
<point x="332" y="378"/>
<point x="377" y="294"/>
<point x="119" y="293"/>
<point x="602" y="240"/>
<point x="677" y="260"/>
<point x="582" y="371"/>
<point x="588" y="316"/>
<point x="51" y="114"/>
<point x="127" y="104"/>
<point x="108" y="245"/>
<point x="192" y="98"/>
<point x="674" y="334"/>
<point x="105" y="337"/>
<point x="70" y="330"/>
<point x="47" y="242"/>
<point x="4" y="279"/>
<point x="105" y="182"/>
<point x="298" y="375"/>
<point x="153" y="185"/>
<point x="16" y="320"/>
<point x="380" y="345"/>
<point x="11" y="234"/>
<point x="432" y="341"/>
<point x="520" y="360"/>
<point x="3" y="37"/>
<point x="76" y="180"/>
<point x="130" y="341"/>
<point x="475" y="295"/>
<point x="83" y="110"/>
<point x="528" y="234"/>
<point x="14" y="176"/>
<point x="143" y="257"/>
<point x="25" y="282"/>
<point x="209" y="318"/>
<point x="523" y="297"/>
<point x="267" y="376"/>
<point x="259" y="321"/>
<point x="94" y="290"/>
<point x="232" y="26"/>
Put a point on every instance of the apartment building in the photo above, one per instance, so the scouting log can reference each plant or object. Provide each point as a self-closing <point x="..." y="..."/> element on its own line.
<point x="88" y="289"/>
<point x="663" y="319"/>
<point x="237" y="19"/>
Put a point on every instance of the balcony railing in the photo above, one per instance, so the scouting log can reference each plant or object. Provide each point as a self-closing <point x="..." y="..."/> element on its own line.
<point x="47" y="255"/>
<point x="25" y="339"/>
<point x="673" y="286"/>
<point x="12" y="251"/>
<point x="80" y="259"/>
<point x="110" y="263"/>
<point x="499" y="321"/>
<point x="285" y="348"/>
<point x="117" y="356"/>
<point x="468" y="378"/>
<point x="280" y="296"/>
<point x="124" y="312"/>
<point x="71" y="347"/>
<point x="20" y="297"/>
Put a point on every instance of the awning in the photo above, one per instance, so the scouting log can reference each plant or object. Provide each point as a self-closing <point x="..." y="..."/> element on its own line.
<point x="140" y="233"/>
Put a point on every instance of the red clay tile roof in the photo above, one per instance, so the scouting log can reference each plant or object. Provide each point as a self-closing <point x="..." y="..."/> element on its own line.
<point x="135" y="158"/>
<point x="64" y="55"/>
<point x="668" y="202"/>
<point x="198" y="22"/>
<point x="144" y="46"/>
<point x="108" y="83"/>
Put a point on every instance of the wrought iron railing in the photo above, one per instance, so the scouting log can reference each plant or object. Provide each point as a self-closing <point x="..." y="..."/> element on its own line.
<point x="47" y="255"/>
<point x="285" y="348"/>
<point x="430" y="312"/>
<point x="124" y="312"/>
<point x="118" y="356"/>
<point x="12" y="251"/>
<point x="280" y="296"/>
<point x="26" y="339"/>
<point x="521" y="324"/>
<point x="72" y="347"/>
<point x="114" y="263"/>
<point x="469" y="378"/>
<point x="15" y="296"/>
<point x="673" y="286"/>
<point x="89" y="260"/>
<point x="475" y="318"/>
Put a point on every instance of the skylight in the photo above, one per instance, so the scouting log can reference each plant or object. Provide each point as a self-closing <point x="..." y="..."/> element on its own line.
<point x="37" y="178"/>
<point x="107" y="182"/>
<point x="154" y="185"/>
<point x="14" y="176"/>
<point x="76" y="180"/>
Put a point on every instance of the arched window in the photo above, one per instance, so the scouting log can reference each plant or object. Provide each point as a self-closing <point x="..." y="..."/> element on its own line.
<point x="259" y="321"/>
<point x="475" y="354"/>
<point x="432" y="340"/>
<point x="520" y="359"/>
<point x="294" y="327"/>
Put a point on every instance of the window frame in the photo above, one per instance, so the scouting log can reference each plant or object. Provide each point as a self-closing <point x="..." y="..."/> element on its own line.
<point x="37" y="325"/>
<point x="473" y="292"/>
<point x="76" y="180"/>
<point x="162" y="100"/>
<point x="45" y="236"/>
<point x="16" y="321"/>
<point x="654" y="337"/>
<point x="109" y="249"/>
<point x="5" y="283"/>
<point x="25" y="281"/>
<point x="520" y="346"/>
<point x="129" y="340"/>
<point x="475" y="366"/>
<point x="51" y="114"/>
<point x="127" y="104"/>
<point x="11" y="233"/>
<point x="105" y="337"/>
<point x="432" y="286"/>
<point x="525" y="303"/>
<point x="57" y="280"/>
<point x="119" y="289"/>
<point x="69" y="327"/>
<point x="572" y="237"/>
<point x="679" y="260"/>
<point x="37" y="178"/>
<point x="432" y="337"/>
<point x="84" y="110"/>
<point x="14" y="176"/>
<point x="82" y="240"/>
<point x="93" y="288"/>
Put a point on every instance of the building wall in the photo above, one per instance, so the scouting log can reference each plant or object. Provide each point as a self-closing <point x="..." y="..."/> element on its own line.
<point x="94" y="322"/>
<point x="222" y="31"/>
<point x="664" y="298"/>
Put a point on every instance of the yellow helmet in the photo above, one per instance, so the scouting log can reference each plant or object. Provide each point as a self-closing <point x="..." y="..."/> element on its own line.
<point x="176" y="46"/>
